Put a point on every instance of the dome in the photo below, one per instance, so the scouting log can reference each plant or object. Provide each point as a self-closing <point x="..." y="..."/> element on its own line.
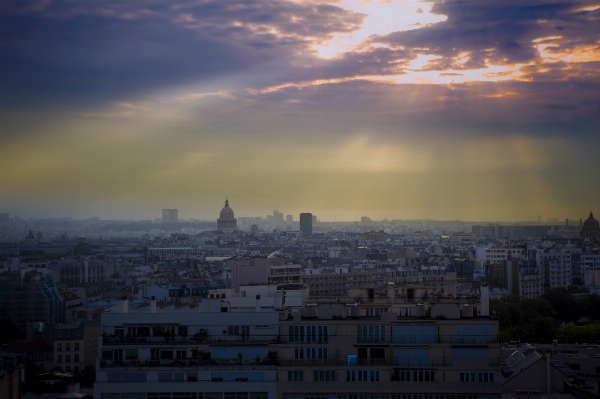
<point x="226" y="221"/>
<point x="591" y="222"/>
<point x="449" y="268"/>
<point x="415" y="266"/>
<point x="226" y="212"/>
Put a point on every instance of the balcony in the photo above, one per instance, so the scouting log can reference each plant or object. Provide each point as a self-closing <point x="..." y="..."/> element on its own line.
<point x="190" y="340"/>
<point x="445" y="339"/>
<point x="344" y="361"/>
<point x="180" y="363"/>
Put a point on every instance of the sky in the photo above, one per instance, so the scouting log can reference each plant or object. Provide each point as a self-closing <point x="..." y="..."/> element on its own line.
<point x="446" y="110"/>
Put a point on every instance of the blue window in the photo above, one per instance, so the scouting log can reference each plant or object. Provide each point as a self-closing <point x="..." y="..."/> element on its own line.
<point x="412" y="356"/>
<point x="413" y="334"/>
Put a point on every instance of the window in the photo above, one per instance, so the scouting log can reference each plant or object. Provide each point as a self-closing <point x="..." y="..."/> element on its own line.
<point x="413" y="334"/>
<point x="67" y="358"/>
<point x="474" y="334"/>
<point x="131" y="354"/>
<point x="324" y="375"/>
<point x="310" y="353"/>
<point x="314" y="334"/>
<point x="362" y="375"/>
<point x="375" y="312"/>
<point x="295" y="376"/>
<point x="414" y="375"/>
<point x="412" y="357"/>
<point x="370" y="333"/>
<point x="476" y="376"/>
<point x="58" y="358"/>
<point x="68" y="346"/>
<point x="76" y="358"/>
<point x="59" y="334"/>
<point x="107" y="355"/>
<point x="469" y="353"/>
<point x="119" y="331"/>
<point x="68" y="333"/>
<point x="58" y="347"/>
<point x="76" y="346"/>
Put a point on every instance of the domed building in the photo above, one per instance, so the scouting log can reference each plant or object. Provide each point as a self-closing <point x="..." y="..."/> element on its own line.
<point x="591" y="227"/>
<point x="226" y="221"/>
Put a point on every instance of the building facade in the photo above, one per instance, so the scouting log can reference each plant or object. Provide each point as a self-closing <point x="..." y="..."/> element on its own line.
<point x="170" y="216"/>
<point x="306" y="223"/>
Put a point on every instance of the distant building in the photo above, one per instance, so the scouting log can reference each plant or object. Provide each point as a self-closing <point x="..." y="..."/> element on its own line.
<point x="289" y="219"/>
<point x="4" y="217"/>
<point x="226" y="221"/>
<point x="306" y="222"/>
<point x="170" y="216"/>
<point x="591" y="227"/>
<point x="277" y="218"/>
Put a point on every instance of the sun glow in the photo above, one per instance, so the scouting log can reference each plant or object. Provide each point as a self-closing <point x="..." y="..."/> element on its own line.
<point x="384" y="17"/>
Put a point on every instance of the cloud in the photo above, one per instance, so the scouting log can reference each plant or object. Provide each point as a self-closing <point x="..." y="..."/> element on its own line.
<point x="98" y="51"/>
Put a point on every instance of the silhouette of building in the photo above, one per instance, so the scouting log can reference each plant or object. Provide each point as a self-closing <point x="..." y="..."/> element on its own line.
<point x="306" y="222"/>
<point x="226" y="221"/>
<point x="591" y="227"/>
<point x="170" y="216"/>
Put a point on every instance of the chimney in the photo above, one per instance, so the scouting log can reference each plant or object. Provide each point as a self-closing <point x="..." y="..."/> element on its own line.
<point x="123" y="305"/>
<point x="484" y="300"/>
<point x="153" y="304"/>
<point x="391" y="292"/>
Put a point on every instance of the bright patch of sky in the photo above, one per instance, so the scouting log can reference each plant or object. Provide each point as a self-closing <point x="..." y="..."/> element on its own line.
<point x="384" y="17"/>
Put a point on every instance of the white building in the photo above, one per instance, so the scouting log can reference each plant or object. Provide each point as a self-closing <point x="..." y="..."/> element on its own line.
<point x="154" y="354"/>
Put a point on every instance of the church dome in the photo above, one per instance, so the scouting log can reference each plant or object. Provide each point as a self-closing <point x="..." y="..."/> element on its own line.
<point x="226" y="212"/>
<point x="226" y="221"/>
<point x="591" y="222"/>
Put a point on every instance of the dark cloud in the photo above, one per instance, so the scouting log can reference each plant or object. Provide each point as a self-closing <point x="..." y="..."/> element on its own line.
<point x="500" y="31"/>
<point x="73" y="52"/>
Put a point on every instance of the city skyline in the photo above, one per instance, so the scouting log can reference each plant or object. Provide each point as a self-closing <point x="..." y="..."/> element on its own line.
<point x="397" y="110"/>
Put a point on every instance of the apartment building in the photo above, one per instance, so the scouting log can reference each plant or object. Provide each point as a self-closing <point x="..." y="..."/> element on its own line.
<point x="507" y="252"/>
<point x="69" y="346"/>
<point x="558" y="266"/>
<point x="441" y="350"/>
<point x="186" y="354"/>
<point x="386" y="348"/>
<point x="523" y="278"/>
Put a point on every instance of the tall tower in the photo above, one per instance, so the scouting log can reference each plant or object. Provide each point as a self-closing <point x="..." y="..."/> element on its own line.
<point x="170" y="216"/>
<point x="306" y="222"/>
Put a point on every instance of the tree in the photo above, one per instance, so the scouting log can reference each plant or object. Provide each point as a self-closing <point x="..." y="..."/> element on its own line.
<point x="84" y="249"/>
<point x="562" y="301"/>
<point x="8" y="333"/>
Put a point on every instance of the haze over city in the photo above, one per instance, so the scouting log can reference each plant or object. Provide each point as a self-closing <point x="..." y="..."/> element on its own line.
<point x="398" y="110"/>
